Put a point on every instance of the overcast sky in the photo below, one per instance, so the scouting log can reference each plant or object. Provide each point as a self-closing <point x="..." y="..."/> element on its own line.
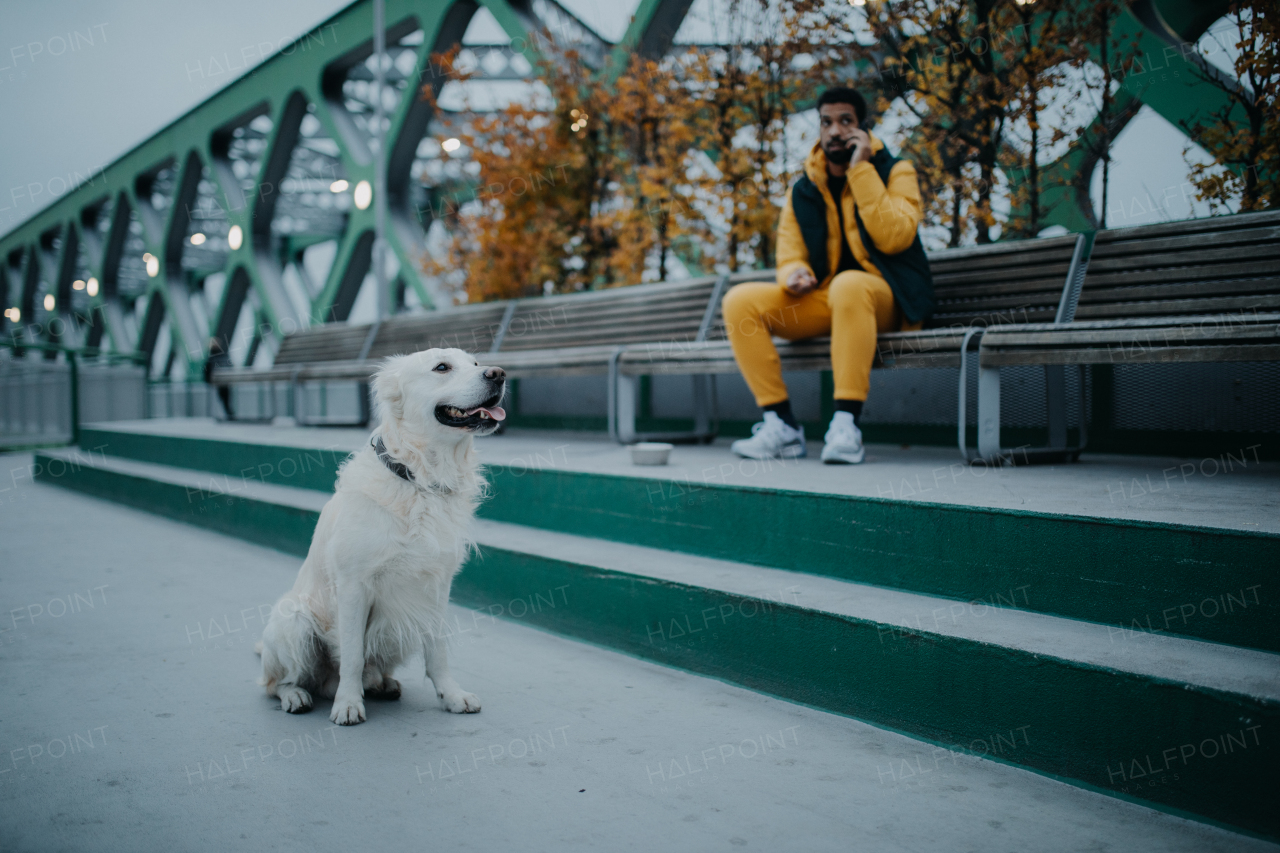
<point x="65" y="112"/>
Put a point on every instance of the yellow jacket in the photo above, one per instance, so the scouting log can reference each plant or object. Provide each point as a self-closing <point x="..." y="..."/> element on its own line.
<point x="891" y="214"/>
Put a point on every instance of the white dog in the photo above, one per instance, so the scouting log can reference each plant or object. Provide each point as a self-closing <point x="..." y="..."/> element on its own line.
<point x="375" y="585"/>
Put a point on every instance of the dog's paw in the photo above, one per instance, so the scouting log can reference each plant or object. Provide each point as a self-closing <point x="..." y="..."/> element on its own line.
<point x="388" y="691"/>
<point x="294" y="699"/>
<point x="347" y="712"/>
<point x="461" y="703"/>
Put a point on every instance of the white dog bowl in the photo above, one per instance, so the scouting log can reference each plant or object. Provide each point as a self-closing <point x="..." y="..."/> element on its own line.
<point x="650" y="453"/>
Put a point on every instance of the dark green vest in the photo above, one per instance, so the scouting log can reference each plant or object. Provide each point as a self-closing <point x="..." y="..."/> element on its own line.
<point x="906" y="272"/>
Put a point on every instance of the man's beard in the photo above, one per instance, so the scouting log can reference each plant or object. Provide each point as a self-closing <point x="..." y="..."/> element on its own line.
<point x="838" y="154"/>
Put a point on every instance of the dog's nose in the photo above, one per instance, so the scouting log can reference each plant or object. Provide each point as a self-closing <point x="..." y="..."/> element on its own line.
<point x="495" y="374"/>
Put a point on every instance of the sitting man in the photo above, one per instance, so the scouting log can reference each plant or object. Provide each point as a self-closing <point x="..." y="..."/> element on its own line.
<point x="849" y="269"/>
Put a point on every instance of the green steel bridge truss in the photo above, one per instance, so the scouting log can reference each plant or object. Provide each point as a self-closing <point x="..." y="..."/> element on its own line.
<point x="243" y="186"/>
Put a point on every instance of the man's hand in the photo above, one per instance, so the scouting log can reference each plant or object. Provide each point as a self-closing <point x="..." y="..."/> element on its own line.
<point x="800" y="282"/>
<point x="861" y="153"/>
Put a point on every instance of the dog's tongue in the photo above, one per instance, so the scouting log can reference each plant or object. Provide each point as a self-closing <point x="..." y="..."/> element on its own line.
<point x="496" y="412"/>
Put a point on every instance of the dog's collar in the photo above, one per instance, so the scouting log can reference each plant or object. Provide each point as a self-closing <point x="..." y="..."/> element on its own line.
<point x="401" y="470"/>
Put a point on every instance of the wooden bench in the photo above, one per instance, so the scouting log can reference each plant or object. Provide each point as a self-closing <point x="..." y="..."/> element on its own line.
<point x="1204" y="290"/>
<point x="339" y="351"/>
<point x="676" y="328"/>
<point x="571" y="334"/>
<point x="1003" y="284"/>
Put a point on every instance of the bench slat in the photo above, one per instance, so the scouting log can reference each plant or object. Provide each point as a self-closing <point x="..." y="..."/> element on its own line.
<point x="1180" y="306"/>
<point x="1066" y="336"/>
<point x="1190" y="290"/>
<point x="1152" y="355"/>
<point x="1189" y="257"/>
<point x="1148" y="296"/>
<point x="1261" y="232"/>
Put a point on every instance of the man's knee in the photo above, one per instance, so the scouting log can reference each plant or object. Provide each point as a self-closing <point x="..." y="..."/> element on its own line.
<point x="742" y="309"/>
<point x="854" y="289"/>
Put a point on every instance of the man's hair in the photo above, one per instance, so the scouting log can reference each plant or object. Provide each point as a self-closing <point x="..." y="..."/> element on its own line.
<point x="844" y="95"/>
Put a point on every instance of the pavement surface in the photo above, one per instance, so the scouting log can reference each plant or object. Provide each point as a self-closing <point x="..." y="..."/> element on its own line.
<point x="131" y="720"/>
<point x="1236" y="491"/>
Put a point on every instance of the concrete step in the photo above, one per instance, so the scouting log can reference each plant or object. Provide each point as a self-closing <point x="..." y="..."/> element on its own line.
<point x="578" y="748"/>
<point x="1068" y="698"/>
<point x="1136" y="574"/>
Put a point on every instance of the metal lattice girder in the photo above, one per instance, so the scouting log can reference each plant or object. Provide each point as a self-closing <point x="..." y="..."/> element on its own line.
<point x="250" y="174"/>
<point x="1161" y="75"/>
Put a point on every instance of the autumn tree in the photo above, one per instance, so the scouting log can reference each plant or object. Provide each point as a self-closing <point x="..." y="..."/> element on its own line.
<point x="1244" y="135"/>
<point x="741" y="95"/>
<point x="958" y="89"/>
<point x="537" y="215"/>
<point x="633" y="189"/>
<point x="1042" y="50"/>
<point x="657" y="134"/>
<point x="1101" y="82"/>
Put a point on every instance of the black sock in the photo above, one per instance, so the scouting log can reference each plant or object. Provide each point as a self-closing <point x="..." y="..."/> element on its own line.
<point x="783" y="410"/>
<point x="853" y="407"/>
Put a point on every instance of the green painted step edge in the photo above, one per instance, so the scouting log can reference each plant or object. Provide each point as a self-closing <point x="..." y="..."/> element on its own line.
<point x="1134" y="571"/>
<point x="1006" y="557"/>
<point x="1064" y="719"/>
<point x="284" y="528"/>
<point x="302" y="467"/>
<point x="1080" y="723"/>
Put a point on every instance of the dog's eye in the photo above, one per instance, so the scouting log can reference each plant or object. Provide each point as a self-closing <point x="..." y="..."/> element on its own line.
<point x="442" y="367"/>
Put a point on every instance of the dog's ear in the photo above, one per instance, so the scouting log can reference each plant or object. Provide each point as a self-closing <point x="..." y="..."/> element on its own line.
<point x="388" y="394"/>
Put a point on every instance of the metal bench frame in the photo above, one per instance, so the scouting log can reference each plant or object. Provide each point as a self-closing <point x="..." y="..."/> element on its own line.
<point x="623" y="390"/>
<point x="701" y="358"/>
<point x="1235" y="258"/>
<point x="1055" y="380"/>
<point x="942" y="347"/>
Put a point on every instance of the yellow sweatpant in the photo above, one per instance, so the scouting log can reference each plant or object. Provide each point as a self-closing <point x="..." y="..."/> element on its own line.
<point x="853" y="309"/>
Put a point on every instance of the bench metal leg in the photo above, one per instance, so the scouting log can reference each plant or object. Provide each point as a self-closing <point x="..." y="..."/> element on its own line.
<point x="704" y="402"/>
<point x="989" y="449"/>
<point x="626" y="390"/>
<point x="989" y="413"/>
<point x="623" y="394"/>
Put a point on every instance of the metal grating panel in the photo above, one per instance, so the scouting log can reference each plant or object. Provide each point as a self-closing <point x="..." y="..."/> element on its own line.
<point x="931" y="396"/>
<point x="1228" y="397"/>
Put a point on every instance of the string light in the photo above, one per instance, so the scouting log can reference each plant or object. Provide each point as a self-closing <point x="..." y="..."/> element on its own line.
<point x="363" y="195"/>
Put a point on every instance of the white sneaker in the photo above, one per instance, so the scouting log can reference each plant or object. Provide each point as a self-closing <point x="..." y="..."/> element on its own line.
<point x="771" y="439"/>
<point x="843" y="441"/>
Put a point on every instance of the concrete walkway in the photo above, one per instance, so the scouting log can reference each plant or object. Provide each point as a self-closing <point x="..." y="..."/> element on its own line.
<point x="130" y="720"/>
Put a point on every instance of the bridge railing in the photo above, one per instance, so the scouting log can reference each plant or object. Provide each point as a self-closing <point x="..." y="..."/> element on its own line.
<point x="43" y="401"/>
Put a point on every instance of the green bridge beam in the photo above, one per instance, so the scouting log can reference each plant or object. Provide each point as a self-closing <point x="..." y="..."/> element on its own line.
<point x="233" y="161"/>
<point x="254" y="169"/>
<point x="1159" y="76"/>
